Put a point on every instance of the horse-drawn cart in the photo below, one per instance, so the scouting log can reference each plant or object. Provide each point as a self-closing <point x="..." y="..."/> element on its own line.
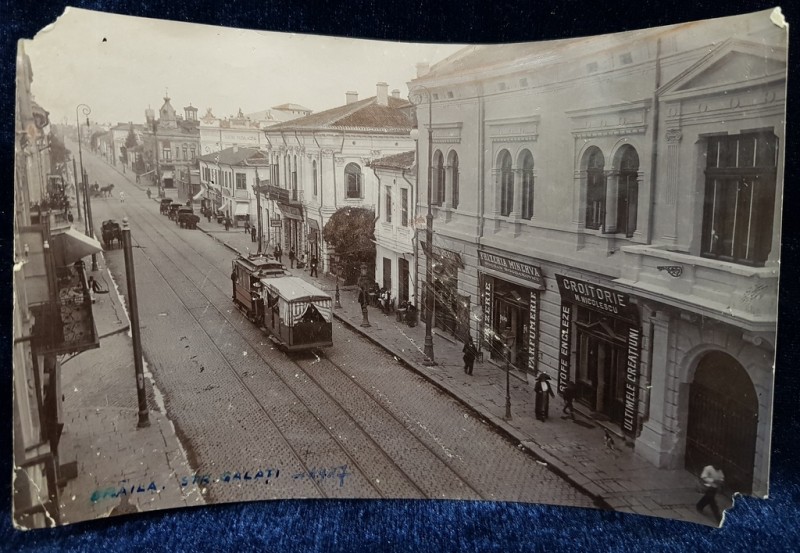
<point x="111" y="232"/>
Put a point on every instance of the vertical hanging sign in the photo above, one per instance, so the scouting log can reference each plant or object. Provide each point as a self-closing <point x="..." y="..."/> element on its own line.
<point x="564" y="346"/>
<point x="632" y="380"/>
<point x="533" y="331"/>
<point x="488" y="298"/>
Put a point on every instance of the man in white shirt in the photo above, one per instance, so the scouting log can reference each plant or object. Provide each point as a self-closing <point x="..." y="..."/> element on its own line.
<point x="712" y="479"/>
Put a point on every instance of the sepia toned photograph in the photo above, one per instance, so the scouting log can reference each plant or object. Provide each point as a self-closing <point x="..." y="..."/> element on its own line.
<point x="257" y="266"/>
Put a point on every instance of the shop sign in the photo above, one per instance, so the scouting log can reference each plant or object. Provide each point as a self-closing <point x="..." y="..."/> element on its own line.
<point x="598" y="298"/>
<point x="291" y="212"/>
<point x="564" y="344"/>
<point x="488" y="298"/>
<point x="507" y="266"/>
<point x="444" y="255"/>
<point x="533" y="331"/>
<point x="275" y="222"/>
<point x="632" y="380"/>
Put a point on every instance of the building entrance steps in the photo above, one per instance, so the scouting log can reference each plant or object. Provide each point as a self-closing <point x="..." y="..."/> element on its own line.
<point x="611" y="472"/>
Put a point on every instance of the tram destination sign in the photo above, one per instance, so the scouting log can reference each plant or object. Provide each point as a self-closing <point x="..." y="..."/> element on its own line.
<point x="511" y="267"/>
<point x="599" y="298"/>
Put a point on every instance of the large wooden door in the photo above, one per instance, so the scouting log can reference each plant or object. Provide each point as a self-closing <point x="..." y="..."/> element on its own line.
<point x="723" y="420"/>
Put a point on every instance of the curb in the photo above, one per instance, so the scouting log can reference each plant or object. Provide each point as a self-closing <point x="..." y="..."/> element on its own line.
<point x="511" y="434"/>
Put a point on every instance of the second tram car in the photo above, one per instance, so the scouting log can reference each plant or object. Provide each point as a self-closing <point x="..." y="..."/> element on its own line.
<point x="295" y="313"/>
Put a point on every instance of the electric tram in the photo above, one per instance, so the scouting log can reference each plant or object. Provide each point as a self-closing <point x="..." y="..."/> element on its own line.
<point x="295" y="314"/>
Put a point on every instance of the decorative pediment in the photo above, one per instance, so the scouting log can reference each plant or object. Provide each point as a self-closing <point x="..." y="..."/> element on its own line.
<point x="733" y="62"/>
<point x="613" y="120"/>
<point x="514" y="129"/>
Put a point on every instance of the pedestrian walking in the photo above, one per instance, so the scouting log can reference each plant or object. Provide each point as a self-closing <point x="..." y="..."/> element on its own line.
<point x="470" y="352"/>
<point x="208" y="215"/>
<point x="543" y="391"/>
<point x="712" y="480"/>
<point x="149" y="193"/>
<point x="247" y="226"/>
<point x="570" y="391"/>
<point x="291" y="257"/>
<point x="252" y="234"/>
<point x="122" y="197"/>
<point x="70" y="218"/>
<point x="227" y="223"/>
<point x="313" y="264"/>
<point x="279" y="254"/>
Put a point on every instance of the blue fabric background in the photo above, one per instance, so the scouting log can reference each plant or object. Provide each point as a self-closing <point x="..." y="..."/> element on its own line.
<point x="755" y="525"/>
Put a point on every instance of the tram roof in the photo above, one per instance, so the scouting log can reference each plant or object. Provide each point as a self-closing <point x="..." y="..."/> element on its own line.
<point x="292" y="288"/>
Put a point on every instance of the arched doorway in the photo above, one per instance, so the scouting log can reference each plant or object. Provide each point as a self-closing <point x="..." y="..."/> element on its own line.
<point x="723" y="420"/>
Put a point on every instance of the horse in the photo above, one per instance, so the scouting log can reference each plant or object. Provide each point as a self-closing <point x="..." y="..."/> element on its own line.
<point x="106" y="190"/>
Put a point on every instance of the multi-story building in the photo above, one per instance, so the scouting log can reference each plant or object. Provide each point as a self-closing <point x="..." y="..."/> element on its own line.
<point x="243" y="130"/>
<point x="229" y="179"/>
<point x="395" y="244"/>
<point x="321" y="160"/>
<point x="171" y="146"/>
<point x="607" y="211"/>
<point x="126" y="143"/>
<point x="52" y="310"/>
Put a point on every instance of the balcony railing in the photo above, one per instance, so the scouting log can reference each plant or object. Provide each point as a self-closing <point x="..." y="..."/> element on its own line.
<point x="66" y="325"/>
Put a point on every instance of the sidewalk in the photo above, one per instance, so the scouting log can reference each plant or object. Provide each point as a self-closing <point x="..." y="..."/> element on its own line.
<point x="100" y="412"/>
<point x="615" y="476"/>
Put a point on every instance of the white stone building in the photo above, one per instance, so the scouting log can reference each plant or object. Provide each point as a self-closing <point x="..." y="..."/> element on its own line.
<point x="610" y="207"/>
<point x="322" y="159"/>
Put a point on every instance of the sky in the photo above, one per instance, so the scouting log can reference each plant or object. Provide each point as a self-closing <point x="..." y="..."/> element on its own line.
<point x="121" y="65"/>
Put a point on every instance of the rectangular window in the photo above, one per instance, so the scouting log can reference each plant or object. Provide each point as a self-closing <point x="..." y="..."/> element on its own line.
<point x="166" y="153"/>
<point x="241" y="181"/>
<point x="404" y="207"/>
<point x="388" y="204"/>
<point x="740" y="197"/>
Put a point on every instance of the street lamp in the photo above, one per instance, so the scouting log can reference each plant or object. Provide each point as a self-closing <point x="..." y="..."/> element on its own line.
<point x="258" y="212"/>
<point x="428" y="347"/>
<point x="89" y="227"/>
<point x="154" y="123"/>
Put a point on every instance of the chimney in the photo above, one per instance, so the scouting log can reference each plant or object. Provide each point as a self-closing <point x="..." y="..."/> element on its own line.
<point x="383" y="94"/>
<point x="396" y="93"/>
<point x="351" y="96"/>
<point x="423" y="68"/>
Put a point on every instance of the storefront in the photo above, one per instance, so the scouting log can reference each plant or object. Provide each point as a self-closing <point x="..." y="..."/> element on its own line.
<point x="450" y="309"/>
<point x="313" y="239"/>
<point x="604" y="363"/>
<point x="511" y="310"/>
<point x="292" y="228"/>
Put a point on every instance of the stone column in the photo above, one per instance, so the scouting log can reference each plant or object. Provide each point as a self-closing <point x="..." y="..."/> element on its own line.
<point x="656" y="441"/>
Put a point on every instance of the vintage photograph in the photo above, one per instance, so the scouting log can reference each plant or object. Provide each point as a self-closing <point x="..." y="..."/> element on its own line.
<point x="252" y="266"/>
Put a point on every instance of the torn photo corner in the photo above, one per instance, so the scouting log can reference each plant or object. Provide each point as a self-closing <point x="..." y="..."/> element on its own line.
<point x="316" y="267"/>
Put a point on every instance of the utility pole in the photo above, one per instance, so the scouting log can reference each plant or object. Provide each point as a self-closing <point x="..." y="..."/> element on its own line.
<point x="133" y="308"/>
<point x="89" y="226"/>
<point x="77" y="188"/>
<point x="258" y="215"/>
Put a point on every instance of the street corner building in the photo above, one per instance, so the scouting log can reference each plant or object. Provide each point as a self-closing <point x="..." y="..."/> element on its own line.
<point x="607" y="211"/>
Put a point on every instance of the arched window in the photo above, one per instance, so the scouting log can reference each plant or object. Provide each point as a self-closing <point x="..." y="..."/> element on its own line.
<point x="185" y="152"/>
<point x="437" y="193"/>
<point x="314" y="174"/>
<point x="627" y="190"/>
<point x="595" y="188"/>
<point x="506" y="183"/>
<point x="454" y="177"/>
<point x="352" y="180"/>
<point x="526" y="163"/>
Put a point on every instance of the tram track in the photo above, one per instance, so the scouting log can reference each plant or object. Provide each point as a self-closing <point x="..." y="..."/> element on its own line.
<point x="164" y="238"/>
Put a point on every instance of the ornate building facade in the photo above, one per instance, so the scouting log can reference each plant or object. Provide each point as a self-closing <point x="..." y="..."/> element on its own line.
<point x="608" y="209"/>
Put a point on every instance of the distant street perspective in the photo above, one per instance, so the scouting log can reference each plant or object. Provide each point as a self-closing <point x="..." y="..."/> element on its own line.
<point x="536" y="272"/>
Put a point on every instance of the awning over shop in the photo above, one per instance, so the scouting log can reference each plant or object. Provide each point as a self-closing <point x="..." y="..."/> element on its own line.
<point x="242" y="208"/>
<point x="291" y="212"/>
<point x="313" y="225"/>
<point x="167" y="175"/>
<point x="77" y="245"/>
